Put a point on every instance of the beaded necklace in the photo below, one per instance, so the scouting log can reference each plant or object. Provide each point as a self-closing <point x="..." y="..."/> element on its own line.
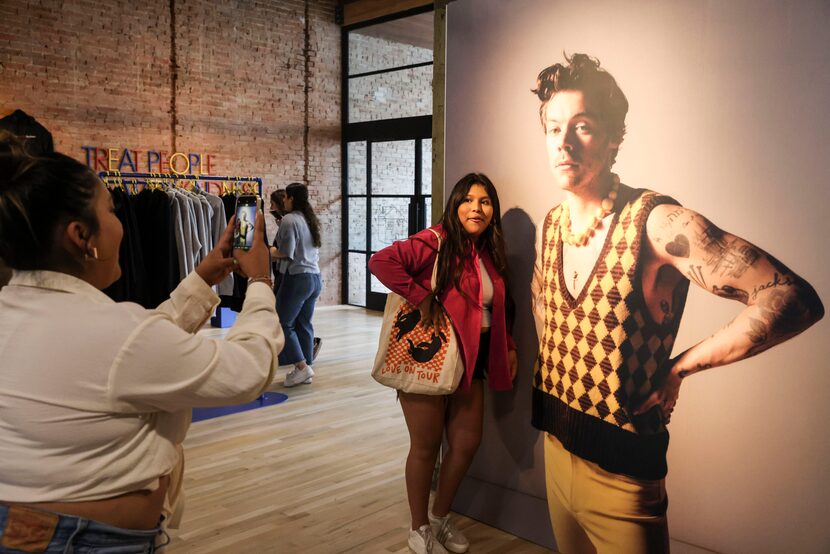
<point x="604" y="209"/>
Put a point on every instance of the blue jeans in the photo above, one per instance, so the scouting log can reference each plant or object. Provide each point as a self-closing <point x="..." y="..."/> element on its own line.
<point x="41" y="531"/>
<point x="295" y="305"/>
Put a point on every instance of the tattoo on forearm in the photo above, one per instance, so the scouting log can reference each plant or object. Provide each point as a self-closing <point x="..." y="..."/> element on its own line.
<point x="733" y="293"/>
<point x="724" y="257"/>
<point x="695" y="273"/>
<point x="699" y="367"/>
<point x="782" y="312"/>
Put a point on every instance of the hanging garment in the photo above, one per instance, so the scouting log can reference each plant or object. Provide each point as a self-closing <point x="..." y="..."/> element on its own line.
<point x="132" y="285"/>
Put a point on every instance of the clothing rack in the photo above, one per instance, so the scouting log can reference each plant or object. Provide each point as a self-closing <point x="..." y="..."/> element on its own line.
<point x="224" y="185"/>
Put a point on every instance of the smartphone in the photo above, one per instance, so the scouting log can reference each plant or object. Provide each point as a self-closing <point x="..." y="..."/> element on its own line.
<point x="247" y="207"/>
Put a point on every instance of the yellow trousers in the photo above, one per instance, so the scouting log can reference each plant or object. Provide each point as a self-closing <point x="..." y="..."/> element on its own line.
<point x="596" y="511"/>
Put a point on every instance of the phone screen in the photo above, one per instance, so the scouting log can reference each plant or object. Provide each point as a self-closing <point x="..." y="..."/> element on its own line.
<point x="243" y="233"/>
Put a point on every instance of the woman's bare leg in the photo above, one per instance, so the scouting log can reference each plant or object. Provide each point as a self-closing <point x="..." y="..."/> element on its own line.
<point x="424" y="417"/>
<point x="464" y="422"/>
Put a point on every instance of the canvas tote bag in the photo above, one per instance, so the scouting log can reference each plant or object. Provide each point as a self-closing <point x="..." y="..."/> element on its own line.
<point x="412" y="357"/>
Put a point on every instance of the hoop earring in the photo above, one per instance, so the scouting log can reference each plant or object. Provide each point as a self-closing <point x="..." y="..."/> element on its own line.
<point x="94" y="256"/>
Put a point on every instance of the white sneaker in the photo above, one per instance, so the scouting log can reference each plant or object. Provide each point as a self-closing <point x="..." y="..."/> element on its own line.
<point x="299" y="376"/>
<point x="421" y="541"/>
<point x="448" y="534"/>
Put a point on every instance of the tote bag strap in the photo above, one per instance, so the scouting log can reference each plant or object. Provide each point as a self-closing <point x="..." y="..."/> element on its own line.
<point x="435" y="265"/>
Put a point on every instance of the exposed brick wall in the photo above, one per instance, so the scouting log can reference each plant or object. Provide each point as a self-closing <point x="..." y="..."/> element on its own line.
<point x="99" y="73"/>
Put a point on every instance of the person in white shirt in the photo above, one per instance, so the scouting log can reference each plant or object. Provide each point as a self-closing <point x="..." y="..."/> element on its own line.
<point x="96" y="396"/>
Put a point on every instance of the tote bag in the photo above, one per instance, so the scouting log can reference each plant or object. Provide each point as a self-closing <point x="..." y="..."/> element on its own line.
<point x="412" y="357"/>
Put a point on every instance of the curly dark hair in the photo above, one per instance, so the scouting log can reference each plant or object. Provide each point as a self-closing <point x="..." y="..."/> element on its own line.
<point x="457" y="244"/>
<point x="298" y="193"/>
<point x="583" y="73"/>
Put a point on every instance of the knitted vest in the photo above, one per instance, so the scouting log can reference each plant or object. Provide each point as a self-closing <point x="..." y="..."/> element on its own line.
<point x="601" y="354"/>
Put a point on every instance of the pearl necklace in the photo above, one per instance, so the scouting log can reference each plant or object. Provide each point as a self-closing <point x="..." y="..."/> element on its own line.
<point x="604" y="209"/>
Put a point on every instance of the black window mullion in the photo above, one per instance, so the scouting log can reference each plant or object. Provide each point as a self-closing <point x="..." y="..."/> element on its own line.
<point x="419" y="200"/>
<point x="344" y="167"/>
<point x="368" y="218"/>
<point x="390" y="70"/>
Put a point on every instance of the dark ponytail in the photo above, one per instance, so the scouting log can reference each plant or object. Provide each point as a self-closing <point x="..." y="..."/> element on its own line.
<point x="298" y="193"/>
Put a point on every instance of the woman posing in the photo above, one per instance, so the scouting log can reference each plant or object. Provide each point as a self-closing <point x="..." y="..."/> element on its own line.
<point x="96" y="396"/>
<point x="298" y="243"/>
<point x="471" y="290"/>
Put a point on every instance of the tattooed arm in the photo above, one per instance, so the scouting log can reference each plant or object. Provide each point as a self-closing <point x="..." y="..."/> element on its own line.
<point x="779" y="303"/>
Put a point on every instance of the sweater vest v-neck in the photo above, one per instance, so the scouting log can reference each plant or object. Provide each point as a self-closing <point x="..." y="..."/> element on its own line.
<point x="601" y="354"/>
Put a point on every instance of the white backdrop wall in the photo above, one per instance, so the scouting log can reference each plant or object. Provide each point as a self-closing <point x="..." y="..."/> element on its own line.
<point x="729" y="114"/>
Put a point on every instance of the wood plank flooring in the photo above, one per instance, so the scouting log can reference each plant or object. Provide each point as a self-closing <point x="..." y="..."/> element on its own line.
<point x="321" y="473"/>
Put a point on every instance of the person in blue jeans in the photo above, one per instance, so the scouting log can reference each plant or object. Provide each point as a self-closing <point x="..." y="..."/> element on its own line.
<point x="277" y="266"/>
<point x="298" y="242"/>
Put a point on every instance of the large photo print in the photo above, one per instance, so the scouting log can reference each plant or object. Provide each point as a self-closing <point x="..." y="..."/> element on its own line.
<point x="705" y="192"/>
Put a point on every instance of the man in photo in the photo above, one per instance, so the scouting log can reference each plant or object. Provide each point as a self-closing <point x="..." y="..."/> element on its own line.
<point x="613" y="267"/>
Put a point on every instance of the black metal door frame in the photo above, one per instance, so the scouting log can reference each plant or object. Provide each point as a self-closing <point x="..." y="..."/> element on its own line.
<point x="417" y="129"/>
<point x="409" y="128"/>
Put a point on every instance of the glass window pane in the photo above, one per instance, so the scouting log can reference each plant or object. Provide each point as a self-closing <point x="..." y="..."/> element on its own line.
<point x="390" y="221"/>
<point x="395" y="43"/>
<point x="357" y="279"/>
<point x="357" y="223"/>
<point x="356" y="164"/>
<point x="393" y="167"/>
<point x="377" y="286"/>
<point x="426" y="166"/>
<point x="428" y="202"/>
<point x="403" y="93"/>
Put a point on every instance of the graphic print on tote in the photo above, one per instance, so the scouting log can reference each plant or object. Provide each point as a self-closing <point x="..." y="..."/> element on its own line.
<point x="414" y="348"/>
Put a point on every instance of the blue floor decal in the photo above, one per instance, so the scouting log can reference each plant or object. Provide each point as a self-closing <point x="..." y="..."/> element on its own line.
<point x="267" y="399"/>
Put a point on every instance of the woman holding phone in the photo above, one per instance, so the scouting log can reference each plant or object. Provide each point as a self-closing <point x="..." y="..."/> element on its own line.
<point x="298" y="243"/>
<point x="96" y="396"/>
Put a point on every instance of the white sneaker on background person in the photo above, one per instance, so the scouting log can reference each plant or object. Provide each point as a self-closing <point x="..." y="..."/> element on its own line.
<point x="448" y="534"/>
<point x="299" y="376"/>
<point x="422" y="541"/>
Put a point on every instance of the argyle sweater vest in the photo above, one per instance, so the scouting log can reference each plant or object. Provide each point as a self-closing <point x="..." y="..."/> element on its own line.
<point x="601" y="354"/>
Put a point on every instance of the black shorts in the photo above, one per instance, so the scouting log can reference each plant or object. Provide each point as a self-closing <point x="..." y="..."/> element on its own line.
<point x="480" y="371"/>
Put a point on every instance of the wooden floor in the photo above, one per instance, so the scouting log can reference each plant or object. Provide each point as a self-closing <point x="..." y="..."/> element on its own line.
<point x="320" y="473"/>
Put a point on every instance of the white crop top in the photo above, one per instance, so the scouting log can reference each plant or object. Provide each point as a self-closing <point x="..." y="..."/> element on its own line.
<point x="96" y="396"/>
<point x="486" y="295"/>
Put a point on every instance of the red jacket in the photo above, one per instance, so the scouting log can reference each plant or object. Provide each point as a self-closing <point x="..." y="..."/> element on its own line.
<point x="405" y="267"/>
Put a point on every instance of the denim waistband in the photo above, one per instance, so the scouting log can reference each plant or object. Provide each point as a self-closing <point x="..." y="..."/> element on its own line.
<point x="28" y="530"/>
